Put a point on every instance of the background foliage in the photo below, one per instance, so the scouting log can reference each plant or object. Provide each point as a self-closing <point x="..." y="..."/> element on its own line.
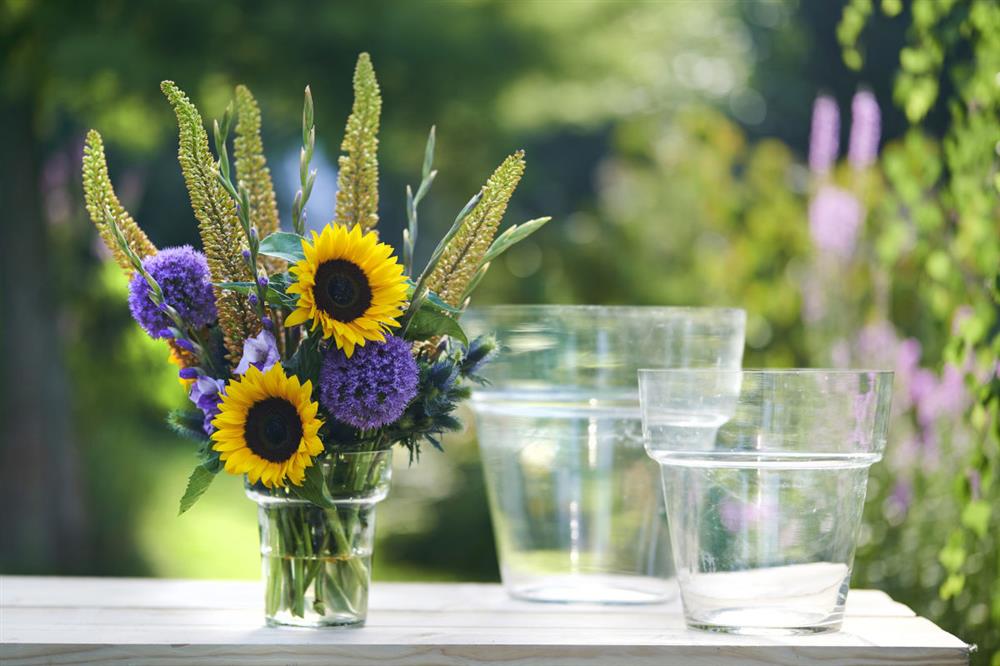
<point x="668" y="140"/>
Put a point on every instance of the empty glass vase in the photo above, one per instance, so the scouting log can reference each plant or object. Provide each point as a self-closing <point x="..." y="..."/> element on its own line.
<point x="576" y="505"/>
<point x="764" y="474"/>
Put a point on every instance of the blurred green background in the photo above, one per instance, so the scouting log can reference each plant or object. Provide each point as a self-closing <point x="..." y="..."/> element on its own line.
<point x="669" y="142"/>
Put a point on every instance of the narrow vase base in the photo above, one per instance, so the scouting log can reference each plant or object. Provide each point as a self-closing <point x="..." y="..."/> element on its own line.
<point x="596" y="589"/>
<point x="766" y="622"/>
<point x="327" y="622"/>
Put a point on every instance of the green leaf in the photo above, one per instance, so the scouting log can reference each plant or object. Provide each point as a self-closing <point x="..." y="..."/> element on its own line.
<point x="515" y="234"/>
<point x="952" y="556"/>
<point x="275" y="294"/>
<point x="976" y="516"/>
<point x="199" y="481"/>
<point x="313" y="488"/>
<point x="429" y="322"/>
<point x="425" y="172"/>
<point x="283" y="245"/>
<point x="306" y="360"/>
<point x="952" y="586"/>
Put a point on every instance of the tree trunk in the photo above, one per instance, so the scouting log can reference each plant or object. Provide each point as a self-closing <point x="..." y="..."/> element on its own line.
<point x="43" y="517"/>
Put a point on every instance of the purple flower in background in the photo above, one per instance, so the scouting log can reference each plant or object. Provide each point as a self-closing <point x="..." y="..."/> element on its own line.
<point x="902" y="495"/>
<point x="876" y="344"/>
<point x="736" y="515"/>
<point x="824" y="140"/>
<point x="373" y="387"/>
<point x="205" y="393"/>
<point x="864" y="414"/>
<point x="936" y="398"/>
<point x="907" y="366"/>
<point x="834" y="221"/>
<point x="975" y="483"/>
<point x="866" y="126"/>
<point x="182" y="274"/>
<point x="260" y="351"/>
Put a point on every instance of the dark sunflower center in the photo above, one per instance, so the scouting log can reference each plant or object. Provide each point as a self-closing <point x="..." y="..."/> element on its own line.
<point x="342" y="290"/>
<point x="273" y="429"/>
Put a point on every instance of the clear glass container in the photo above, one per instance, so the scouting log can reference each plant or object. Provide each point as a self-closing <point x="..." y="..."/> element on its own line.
<point x="575" y="502"/>
<point x="764" y="473"/>
<point x="316" y="561"/>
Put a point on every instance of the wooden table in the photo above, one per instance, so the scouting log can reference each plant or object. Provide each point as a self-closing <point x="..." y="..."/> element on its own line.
<point x="140" y="621"/>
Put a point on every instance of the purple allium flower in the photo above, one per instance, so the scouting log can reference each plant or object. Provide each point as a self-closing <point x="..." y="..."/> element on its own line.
<point x="866" y="125"/>
<point x="182" y="274"/>
<point x="260" y="351"/>
<point x="188" y="373"/>
<point x="185" y="344"/>
<point x="373" y="387"/>
<point x="824" y="139"/>
<point x="205" y="392"/>
<point x="262" y="281"/>
<point x="834" y="221"/>
<point x="267" y="323"/>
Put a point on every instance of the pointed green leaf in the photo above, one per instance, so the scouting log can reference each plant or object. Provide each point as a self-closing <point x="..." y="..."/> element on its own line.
<point x="199" y="481"/>
<point x="429" y="322"/>
<point x="515" y="234"/>
<point x="283" y="245"/>
<point x="313" y="488"/>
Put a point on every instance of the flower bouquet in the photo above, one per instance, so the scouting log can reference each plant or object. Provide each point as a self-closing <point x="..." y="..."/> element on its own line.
<point x="308" y="358"/>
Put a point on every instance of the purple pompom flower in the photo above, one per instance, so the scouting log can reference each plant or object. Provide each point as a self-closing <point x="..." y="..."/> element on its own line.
<point x="373" y="387"/>
<point x="260" y="351"/>
<point x="865" y="128"/>
<point x="182" y="274"/>
<point x="825" y="137"/>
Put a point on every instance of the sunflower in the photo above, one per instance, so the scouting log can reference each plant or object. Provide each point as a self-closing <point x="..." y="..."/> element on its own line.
<point x="267" y="427"/>
<point x="350" y="285"/>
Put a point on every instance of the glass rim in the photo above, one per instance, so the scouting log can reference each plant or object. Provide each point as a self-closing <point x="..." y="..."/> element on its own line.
<point x="331" y="455"/>
<point x="787" y="372"/>
<point x="618" y="309"/>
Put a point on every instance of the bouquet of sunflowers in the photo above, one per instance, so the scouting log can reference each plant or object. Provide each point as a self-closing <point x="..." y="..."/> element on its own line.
<point x="307" y="357"/>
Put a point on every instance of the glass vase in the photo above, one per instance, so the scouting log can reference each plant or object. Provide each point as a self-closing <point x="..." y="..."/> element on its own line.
<point x="316" y="561"/>
<point x="765" y="474"/>
<point x="577" y="510"/>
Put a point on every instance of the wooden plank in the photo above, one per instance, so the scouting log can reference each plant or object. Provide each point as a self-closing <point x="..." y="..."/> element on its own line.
<point x="158" y="593"/>
<point x="141" y="621"/>
<point x="457" y="655"/>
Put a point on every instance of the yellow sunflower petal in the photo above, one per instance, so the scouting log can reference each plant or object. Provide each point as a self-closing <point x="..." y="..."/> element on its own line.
<point x="231" y="440"/>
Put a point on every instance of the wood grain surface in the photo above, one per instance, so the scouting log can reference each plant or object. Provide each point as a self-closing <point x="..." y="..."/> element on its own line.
<point x="162" y="622"/>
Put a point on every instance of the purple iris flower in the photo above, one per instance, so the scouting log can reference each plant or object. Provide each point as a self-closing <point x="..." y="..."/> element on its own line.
<point x="206" y="395"/>
<point x="260" y="351"/>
